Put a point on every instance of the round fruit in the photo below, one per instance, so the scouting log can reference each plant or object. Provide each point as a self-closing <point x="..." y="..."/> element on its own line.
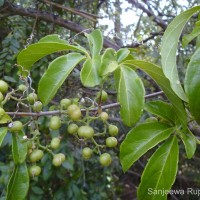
<point x="111" y="142"/>
<point x="103" y="94"/>
<point x="75" y="115"/>
<point x="34" y="171"/>
<point x="3" y="86"/>
<point x="55" y="123"/>
<point x="1" y="97"/>
<point x="58" y="159"/>
<point x="36" y="155"/>
<point x="86" y="131"/>
<point x="72" y="108"/>
<point x="15" y="126"/>
<point x="105" y="159"/>
<point x="104" y="116"/>
<point x="113" y="130"/>
<point x="37" y="107"/>
<point x="87" y="153"/>
<point x="2" y="112"/>
<point x="64" y="103"/>
<point x="32" y="98"/>
<point x="72" y="129"/>
<point x="55" y="143"/>
<point x="22" y="87"/>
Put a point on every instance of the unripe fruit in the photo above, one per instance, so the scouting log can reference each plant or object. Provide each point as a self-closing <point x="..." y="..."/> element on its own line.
<point x="22" y="87"/>
<point x="32" y="98"/>
<point x="58" y="159"/>
<point x="72" y="129"/>
<point x="104" y="116"/>
<point x="55" y="143"/>
<point x="113" y="130"/>
<point x="3" y="86"/>
<point x="34" y="171"/>
<point x="105" y="159"/>
<point x="86" y="132"/>
<point x="1" y="97"/>
<point x="2" y="112"/>
<point x="87" y="153"/>
<point x="55" y="123"/>
<point x="36" y="155"/>
<point x="104" y="95"/>
<point x="64" y="103"/>
<point x="72" y="108"/>
<point x="75" y="115"/>
<point x="37" y="107"/>
<point x="15" y="126"/>
<point x="74" y="112"/>
<point x="111" y="142"/>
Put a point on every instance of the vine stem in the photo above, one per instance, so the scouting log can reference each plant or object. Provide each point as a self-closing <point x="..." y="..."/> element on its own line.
<point x="59" y="112"/>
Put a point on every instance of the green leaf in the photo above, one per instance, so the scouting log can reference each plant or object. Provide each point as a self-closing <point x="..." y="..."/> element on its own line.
<point x="192" y="84"/>
<point x="55" y="75"/>
<point x="122" y="54"/>
<point x="169" y="47"/>
<point x="190" y="143"/>
<point x="89" y="72"/>
<point x="108" y="62"/>
<point x="5" y="119"/>
<point x="3" y="132"/>
<point x="131" y="96"/>
<point x="160" y="172"/>
<point x="19" y="147"/>
<point x="161" y="109"/>
<point x="140" y="139"/>
<point x="35" y="52"/>
<point x="195" y="32"/>
<point x="95" y="40"/>
<point x="156" y="73"/>
<point x="53" y="38"/>
<point x="18" y="185"/>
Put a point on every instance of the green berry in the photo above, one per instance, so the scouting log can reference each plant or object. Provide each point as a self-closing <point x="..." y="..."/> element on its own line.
<point x="15" y="126"/>
<point x="55" y="123"/>
<point x="111" y="142"/>
<point x="3" y="86"/>
<point x="36" y="155"/>
<point x="34" y="171"/>
<point x="104" y="116"/>
<point x="22" y="87"/>
<point x="86" y="132"/>
<point x="87" y="153"/>
<point x="32" y="98"/>
<point x="72" y="129"/>
<point x="37" y="107"/>
<point x="113" y="130"/>
<point x="55" y="143"/>
<point x="2" y="112"/>
<point x="64" y="103"/>
<point x="105" y="159"/>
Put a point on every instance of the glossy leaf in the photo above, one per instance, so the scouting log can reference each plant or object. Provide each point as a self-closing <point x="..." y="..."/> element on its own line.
<point x="161" y="109"/>
<point x="108" y="62"/>
<point x="5" y="119"/>
<point x="192" y="84"/>
<point x="160" y="172"/>
<point x="3" y="132"/>
<point x="190" y="143"/>
<point x="53" y="38"/>
<point x="35" y="52"/>
<point x="131" y="96"/>
<point x="169" y="47"/>
<point x="55" y="75"/>
<point x="122" y="54"/>
<point x="195" y="32"/>
<point x="89" y="72"/>
<point x="140" y="139"/>
<point x="18" y="185"/>
<point x="19" y="148"/>
<point x="95" y="41"/>
<point x="155" y="72"/>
